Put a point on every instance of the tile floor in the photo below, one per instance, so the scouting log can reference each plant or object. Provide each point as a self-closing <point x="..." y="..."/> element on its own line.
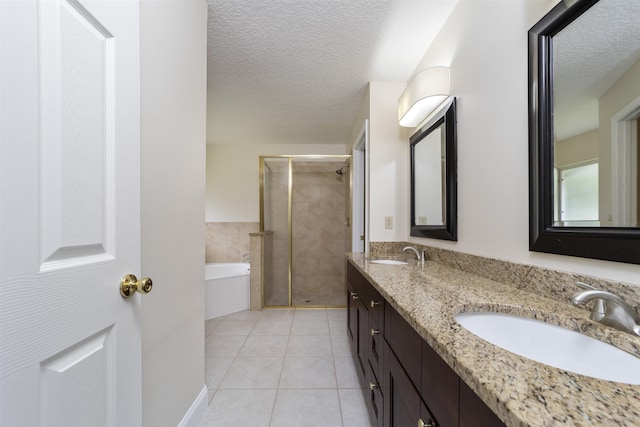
<point x="281" y="368"/>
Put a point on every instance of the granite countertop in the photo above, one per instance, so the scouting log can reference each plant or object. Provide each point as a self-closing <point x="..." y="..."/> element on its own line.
<point x="520" y="391"/>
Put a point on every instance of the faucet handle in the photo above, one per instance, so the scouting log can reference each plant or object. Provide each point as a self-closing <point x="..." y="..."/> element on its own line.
<point x="599" y="305"/>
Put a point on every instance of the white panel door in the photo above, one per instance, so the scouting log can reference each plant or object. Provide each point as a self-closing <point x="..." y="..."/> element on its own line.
<point x="69" y="212"/>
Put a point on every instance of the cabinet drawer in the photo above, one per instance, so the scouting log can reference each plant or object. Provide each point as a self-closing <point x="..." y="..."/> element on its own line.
<point x="439" y="387"/>
<point x="405" y="343"/>
<point x="375" y="304"/>
<point x="375" y="347"/>
<point x="375" y="398"/>
<point x="362" y="337"/>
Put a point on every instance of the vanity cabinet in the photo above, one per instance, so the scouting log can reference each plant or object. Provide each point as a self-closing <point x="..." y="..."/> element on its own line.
<point x="407" y="382"/>
<point x="357" y="320"/>
<point x="365" y="320"/>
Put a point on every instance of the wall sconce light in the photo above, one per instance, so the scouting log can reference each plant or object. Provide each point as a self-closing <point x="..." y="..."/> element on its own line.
<point x="425" y="91"/>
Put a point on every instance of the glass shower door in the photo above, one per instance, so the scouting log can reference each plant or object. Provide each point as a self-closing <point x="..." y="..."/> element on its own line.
<point x="303" y="210"/>
<point x="276" y="199"/>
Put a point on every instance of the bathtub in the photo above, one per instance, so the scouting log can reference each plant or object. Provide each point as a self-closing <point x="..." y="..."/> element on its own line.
<point x="226" y="289"/>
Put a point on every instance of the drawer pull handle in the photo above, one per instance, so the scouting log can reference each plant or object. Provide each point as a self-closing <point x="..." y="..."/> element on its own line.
<point x="428" y="424"/>
<point x="373" y="386"/>
<point x="374" y="304"/>
<point x="354" y="296"/>
<point x="374" y="332"/>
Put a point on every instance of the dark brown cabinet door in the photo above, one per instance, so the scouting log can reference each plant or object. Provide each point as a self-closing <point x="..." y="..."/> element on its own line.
<point x="405" y="342"/>
<point x="426" y="417"/>
<point x="401" y="399"/>
<point x="439" y="387"/>
<point x="474" y="412"/>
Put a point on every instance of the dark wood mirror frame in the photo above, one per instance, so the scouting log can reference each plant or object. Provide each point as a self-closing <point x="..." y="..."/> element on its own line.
<point x="606" y="243"/>
<point x="449" y="230"/>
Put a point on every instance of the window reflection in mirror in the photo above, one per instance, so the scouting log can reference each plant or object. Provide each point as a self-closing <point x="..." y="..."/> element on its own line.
<point x="434" y="176"/>
<point x="596" y="109"/>
<point x="577" y="196"/>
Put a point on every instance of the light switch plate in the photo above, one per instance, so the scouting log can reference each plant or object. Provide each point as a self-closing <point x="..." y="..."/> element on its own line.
<point x="388" y="222"/>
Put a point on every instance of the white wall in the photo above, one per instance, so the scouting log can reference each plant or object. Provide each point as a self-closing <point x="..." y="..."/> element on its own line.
<point x="389" y="162"/>
<point x="485" y="44"/>
<point x="173" y="107"/>
<point x="233" y="180"/>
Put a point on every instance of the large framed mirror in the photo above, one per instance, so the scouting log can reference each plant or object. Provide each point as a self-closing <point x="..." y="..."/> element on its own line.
<point x="434" y="176"/>
<point x="584" y="116"/>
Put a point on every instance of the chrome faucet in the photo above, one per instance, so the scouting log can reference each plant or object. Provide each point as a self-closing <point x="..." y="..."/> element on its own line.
<point x="418" y="255"/>
<point x="609" y="309"/>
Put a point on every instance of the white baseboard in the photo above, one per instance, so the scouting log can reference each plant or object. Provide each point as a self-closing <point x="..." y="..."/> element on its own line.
<point x="195" y="414"/>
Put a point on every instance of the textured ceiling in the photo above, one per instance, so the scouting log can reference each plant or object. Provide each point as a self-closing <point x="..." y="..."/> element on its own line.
<point x="295" y="71"/>
<point x="589" y="56"/>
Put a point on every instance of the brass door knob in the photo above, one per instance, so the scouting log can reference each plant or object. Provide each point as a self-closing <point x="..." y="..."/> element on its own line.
<point x="130" y="285"/>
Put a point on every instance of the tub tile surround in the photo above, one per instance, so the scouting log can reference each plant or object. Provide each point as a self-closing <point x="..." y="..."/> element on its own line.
<point x="258" y="258"/>
<point x="520" y="391"/>
<point x="228" y="241"/>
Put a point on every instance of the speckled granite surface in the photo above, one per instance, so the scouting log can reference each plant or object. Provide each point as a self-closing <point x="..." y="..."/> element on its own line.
<point x="554" y="284"/>
<point x="522" y="392"/>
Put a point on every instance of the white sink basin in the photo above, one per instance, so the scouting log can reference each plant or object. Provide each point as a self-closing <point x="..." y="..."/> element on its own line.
<point x="553" y="345"/>
<point x="388" y="262"/>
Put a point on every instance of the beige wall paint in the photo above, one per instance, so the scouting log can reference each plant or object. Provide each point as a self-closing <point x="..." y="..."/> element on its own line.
<point x="485" y="45"/>
<point x="233" y="190"/>
<point x="173" y="106"/>
<point x="577" y="149"/>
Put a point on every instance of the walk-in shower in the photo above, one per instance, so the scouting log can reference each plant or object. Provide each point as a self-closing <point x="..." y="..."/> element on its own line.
<point x="303" y="206"/>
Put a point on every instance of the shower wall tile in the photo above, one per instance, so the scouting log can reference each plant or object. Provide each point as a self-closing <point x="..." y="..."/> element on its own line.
<point x="318" y="214"/>
<point x="228" y="241"/>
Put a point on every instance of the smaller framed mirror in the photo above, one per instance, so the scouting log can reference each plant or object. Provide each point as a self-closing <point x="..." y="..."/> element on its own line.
<point x="434" y="176"/>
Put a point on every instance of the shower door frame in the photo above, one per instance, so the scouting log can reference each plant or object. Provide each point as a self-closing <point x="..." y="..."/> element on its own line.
<point x="291" y="158"/>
